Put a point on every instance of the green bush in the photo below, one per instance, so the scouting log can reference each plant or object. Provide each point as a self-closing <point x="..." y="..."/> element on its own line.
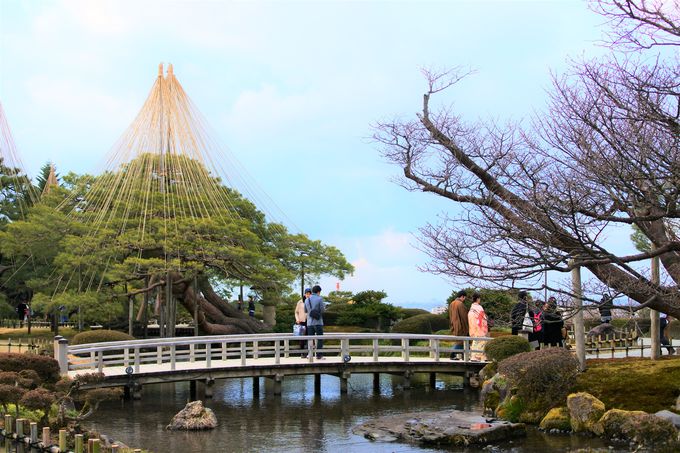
<point x="505" y="346"/>
<point x="421" y="324"/>
<point x="100" y="336"/>
<point x="541" y="379"/>
<point x="46" y="367"/>
<point x="411" y="312"/>
<point x="285" y="318"/>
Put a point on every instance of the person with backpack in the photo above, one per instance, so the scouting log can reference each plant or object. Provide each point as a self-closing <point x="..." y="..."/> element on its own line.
<point x="518" y="313"/>
<point x="314" y="306"/>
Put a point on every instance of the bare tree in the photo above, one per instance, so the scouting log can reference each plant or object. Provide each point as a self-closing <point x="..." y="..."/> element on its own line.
<point x="605" y="153"/>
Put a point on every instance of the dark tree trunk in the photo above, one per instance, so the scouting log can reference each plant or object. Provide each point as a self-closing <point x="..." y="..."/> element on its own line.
<point x="215" y="316"/>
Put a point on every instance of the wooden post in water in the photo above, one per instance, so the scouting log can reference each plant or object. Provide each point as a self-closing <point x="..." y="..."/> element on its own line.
<point x="579" y="329"/>
<point x="79" y="443"/>
<point x="376" y="383"/>
<point x="433" y="381"/>
<point x="655" y="323"/>
<point x="256" y="387"/>
<point x="62" y="439"/>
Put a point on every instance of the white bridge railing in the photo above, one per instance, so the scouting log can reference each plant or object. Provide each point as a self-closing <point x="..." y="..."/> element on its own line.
<point x="166" y="354"/>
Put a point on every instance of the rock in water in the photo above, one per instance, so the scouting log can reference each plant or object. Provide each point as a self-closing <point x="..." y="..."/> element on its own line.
<point x="193" y="417"/>
<point x="439" y="428"/>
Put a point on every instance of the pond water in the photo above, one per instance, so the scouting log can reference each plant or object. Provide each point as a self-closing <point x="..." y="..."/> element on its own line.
<point x="297" y="421"/>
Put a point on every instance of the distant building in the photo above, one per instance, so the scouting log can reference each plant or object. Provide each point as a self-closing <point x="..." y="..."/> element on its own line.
<point x="439" y="310"/>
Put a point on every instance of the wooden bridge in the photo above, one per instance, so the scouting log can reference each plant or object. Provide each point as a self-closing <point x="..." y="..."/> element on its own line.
<point x="275" y="356"/>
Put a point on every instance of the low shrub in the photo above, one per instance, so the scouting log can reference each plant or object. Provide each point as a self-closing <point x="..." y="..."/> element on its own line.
<point x="411" y="312"/>
<point x="100" y="336"/>
<point x="46" y="367"/>
<point x="421" y="324"/>
<point x="541" y="379"/>
<point x="505" y="346"/>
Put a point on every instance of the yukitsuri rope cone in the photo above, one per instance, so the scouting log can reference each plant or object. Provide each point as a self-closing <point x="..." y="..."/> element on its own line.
<point x="17" y="193"/>
<point x="161" y="214"/>
<point x="13" y="179"/>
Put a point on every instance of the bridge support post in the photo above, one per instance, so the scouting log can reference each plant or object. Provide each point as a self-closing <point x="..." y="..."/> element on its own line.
<point x="466" y="379"/>
<point x="407" y="379"/>
<point x="344" y="377"/>
<point x="256" y="387"/>
<point x="317" y="384"/>
<point x="376" y="383"/>
<point x="278" y="379"/>
<point x="136" y="391"/>
<point x="209" y="387"/>
<point x="433" y="381"/>
<point x="192" y="390"/>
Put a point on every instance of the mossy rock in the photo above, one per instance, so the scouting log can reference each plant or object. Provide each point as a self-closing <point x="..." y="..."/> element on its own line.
<point x="637" y="426"/>
<point x="100" y="336"/>
<point x="511" y="409"/>
<point x="556" y="418"/>
<point x="611" y="424"/>
<point x="585" y="412"/>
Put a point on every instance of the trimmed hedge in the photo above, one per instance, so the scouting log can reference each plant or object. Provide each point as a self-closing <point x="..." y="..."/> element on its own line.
<point x="100" y="336"/>
<point x="505" y="346"/>
<point x="46" y="367"/>
<point x="411" y="312"/>
<point x="426" y="323"/>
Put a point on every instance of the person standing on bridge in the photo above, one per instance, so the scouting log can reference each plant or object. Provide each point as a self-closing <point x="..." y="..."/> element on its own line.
<point x="479" y="327"/>
<point x="458" y="319"/>
<point x="301" y="318"/>
<point x="314" y="306"/>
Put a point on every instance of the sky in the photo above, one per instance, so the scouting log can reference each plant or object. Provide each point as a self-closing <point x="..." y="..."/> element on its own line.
<point x="290" y="89"/>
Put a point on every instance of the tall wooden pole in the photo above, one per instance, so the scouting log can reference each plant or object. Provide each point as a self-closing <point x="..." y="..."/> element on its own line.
<point x="654" y="315"/>
<point x="579" y="329"/>
<point x="196" y="308"/>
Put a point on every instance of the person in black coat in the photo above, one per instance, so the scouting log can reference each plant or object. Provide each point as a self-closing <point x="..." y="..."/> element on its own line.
<point x="552" y="324"/>
<point x="518" y="312"/>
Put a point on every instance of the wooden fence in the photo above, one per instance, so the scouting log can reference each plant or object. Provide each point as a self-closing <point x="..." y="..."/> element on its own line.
<point x="24" y="435"/>
<point x="25" y="345"/>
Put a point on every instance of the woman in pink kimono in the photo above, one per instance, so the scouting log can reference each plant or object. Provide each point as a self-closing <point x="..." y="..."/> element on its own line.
<point x="479" y="327"/>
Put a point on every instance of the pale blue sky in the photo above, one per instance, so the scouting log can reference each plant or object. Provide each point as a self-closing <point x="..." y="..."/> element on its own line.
<point x="290" y="88"/>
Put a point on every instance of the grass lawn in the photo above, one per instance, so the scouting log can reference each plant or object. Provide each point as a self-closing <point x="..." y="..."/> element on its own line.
<point x="36" y="333"/>
<point x="633" y="383"/>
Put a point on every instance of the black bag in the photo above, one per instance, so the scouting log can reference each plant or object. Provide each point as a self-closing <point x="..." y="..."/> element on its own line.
<point x="315" y="314"/>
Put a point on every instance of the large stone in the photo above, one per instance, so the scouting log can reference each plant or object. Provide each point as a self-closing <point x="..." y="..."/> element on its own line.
<point x="193" y="417"/>
<point x="603" y="330"/>
<point x="638" y="427"/>
<point x="584" y="411"/>
<point x="440" y="428"/>
<point x="494" y="391"/>
<point x="668" y="415"/>
<point x="556" y="418"/>
<point x="612" y="423"/>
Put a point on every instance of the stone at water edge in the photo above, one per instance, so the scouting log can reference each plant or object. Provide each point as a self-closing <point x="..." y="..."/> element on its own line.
<point x="668" y="415"/>
<point x="193" y="417"/>
<point x="440" y="428"/>
<point x="584" y="411"/>
<point x="556" y="418"/>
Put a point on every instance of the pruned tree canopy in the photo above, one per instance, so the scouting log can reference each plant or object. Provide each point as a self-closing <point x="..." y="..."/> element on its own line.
<point x="541" y="198"/>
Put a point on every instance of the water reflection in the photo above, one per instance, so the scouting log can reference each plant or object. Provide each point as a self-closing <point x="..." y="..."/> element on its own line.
<point x="296" y="421"/>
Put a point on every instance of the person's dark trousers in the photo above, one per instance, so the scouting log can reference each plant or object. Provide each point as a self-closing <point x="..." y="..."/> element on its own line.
<point x="316" y="330"/>
<point x="664" y="341"/>
<point x="457" y="355"/>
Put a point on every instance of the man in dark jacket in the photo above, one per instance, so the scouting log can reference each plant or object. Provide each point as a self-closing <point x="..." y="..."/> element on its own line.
<point x="518" y="312"/>
<point x="605" y="308"/>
